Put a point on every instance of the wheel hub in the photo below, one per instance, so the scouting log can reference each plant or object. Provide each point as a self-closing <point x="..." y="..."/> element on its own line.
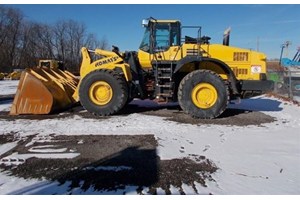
<point x="204" y="95"/>
<point x="100" y="93"/>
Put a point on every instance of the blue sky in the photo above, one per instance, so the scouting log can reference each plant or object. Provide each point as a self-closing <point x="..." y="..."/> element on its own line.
<point x="271" y="25"/>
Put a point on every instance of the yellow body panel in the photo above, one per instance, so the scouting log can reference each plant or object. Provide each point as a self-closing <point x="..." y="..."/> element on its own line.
<point x="241" y="61"/>
<point x="144" y="59"/>
<point x="173" y="54"/>
<point x="110" y="61"/>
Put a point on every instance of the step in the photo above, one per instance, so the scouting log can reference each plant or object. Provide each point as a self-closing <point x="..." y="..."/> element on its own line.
<point x="169" y="86"/>
<point x="164" y="94"/>
<point x="164" y="77"/>
<point x="164" y="69"/>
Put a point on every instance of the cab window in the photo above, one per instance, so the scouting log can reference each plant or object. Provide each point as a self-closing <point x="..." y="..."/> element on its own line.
<point x="162" y="38"/>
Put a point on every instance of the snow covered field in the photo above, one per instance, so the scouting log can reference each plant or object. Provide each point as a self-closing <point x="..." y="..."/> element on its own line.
<point x="255" y="159"/>
<point x="8" y="87"/>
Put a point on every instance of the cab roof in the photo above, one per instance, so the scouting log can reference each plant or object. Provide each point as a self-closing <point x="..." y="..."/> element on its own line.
<point x="165" y="21"/>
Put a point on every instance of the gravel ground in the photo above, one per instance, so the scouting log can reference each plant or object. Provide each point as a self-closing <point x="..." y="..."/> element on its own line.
<point x="134" y="159"/>
<point x="237" y="117"/>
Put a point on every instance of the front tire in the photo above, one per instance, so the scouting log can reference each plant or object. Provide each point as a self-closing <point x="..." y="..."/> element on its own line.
<point x="203" y="94"/>
<point x="103" y="92"/>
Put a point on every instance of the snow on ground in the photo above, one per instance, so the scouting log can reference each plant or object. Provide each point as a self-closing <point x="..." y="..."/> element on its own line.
<point x="7" y="147"/>
<point x="262" y="159"/>
<point x="5" y="105"/>
<point x="296" y="98"/>
<point x="8" y="87"/>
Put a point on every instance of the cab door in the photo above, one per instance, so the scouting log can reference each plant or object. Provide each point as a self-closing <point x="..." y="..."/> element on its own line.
<point x="161" y="42"/>
<point x="166" y="41"/>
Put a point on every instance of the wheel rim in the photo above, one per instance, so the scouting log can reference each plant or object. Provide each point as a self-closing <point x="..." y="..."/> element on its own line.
<point x="100" y="93"/>
<point x="204" y="95"/>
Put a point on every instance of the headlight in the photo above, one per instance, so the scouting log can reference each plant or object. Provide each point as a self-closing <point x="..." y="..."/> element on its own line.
<point x="256" y="69"/>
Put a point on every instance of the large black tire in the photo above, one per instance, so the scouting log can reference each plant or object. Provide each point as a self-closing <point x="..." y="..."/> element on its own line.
<point x="118" y="94"/>
<point x="191" y="90"/>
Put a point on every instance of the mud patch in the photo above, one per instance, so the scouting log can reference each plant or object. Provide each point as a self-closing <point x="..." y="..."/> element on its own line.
<point x="175" y="172"/>
<point x="12" y="136"/>
<point x="109" y="163"/>
<point x="171" y="111"/>
<point x="7" y="97"/>
<point x="76" y="110"/>
<point x="234" y="117"/>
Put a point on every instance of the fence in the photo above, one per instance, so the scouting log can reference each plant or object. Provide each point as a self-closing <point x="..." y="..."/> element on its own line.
<point x="287" y="82"/>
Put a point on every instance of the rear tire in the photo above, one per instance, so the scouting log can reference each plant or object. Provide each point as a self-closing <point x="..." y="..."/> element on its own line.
<point x="203" y="94"/>
<point x="103" y="92"/>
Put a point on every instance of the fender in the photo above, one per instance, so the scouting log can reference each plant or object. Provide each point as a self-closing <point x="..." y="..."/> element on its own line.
<point x="111" y="61"/>
<point x="221" y="64"/>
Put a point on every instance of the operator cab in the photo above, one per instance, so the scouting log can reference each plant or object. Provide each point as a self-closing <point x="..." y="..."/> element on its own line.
<point x="160" y="35"/>
<point x="162" y="42"/>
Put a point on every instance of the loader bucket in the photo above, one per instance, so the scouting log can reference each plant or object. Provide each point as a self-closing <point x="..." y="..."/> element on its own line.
<point x="43" y="91"/>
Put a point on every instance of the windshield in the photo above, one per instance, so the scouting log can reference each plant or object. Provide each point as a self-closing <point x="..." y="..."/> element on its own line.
<point x="145" y="45"/>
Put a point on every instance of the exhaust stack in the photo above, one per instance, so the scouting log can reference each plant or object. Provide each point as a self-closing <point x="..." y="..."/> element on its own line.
<point x="226" y="36"/>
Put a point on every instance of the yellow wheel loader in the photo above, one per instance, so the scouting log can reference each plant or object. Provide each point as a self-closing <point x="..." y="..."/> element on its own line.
<point x="170" y="67"/>
<point x="2" y="75"/>
<point x="15" y="75"/>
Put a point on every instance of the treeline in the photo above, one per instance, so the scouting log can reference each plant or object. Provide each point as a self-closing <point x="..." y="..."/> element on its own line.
<point x="23" y="42"/>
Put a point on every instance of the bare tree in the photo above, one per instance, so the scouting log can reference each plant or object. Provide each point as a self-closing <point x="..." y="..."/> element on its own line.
<point x="10" y="23"/>
<point x="23" y="42"/>
<point x="36" y="43"/>
<point x="92" y="42"/>
<point x="69" y="37"/>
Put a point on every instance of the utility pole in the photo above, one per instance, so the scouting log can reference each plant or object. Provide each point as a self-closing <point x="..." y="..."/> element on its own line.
<point x="284" y="45"/>
<point x="287" y="44"/>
